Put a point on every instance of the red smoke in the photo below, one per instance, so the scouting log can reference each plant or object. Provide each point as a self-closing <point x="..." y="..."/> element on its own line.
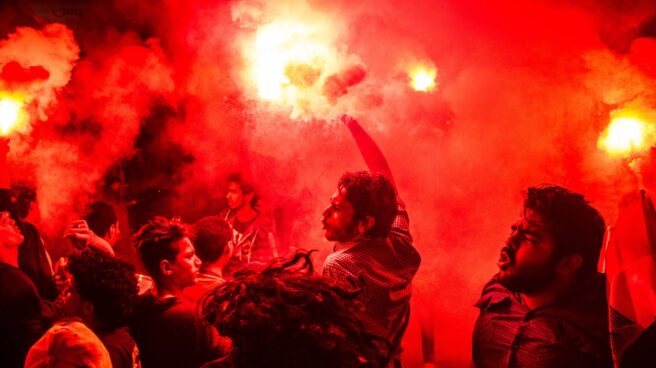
<point x="525" y="88"/>
<point x="13" y="74"/>
<point x="337" y="85"/>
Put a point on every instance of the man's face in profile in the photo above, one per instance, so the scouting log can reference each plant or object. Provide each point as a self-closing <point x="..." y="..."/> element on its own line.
<point x="527" y="263"/>
<point x="339" y="218"/>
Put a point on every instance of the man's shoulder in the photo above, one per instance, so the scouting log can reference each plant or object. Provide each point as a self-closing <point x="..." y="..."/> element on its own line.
<point x="14" y="277"/>
<point x="493" y="294"/>
<point x="339" y="265"/>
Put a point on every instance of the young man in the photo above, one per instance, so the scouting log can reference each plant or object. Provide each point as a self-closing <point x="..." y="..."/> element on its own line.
<point x="98" y="229"/>
<point x="212" y="237"/>
<point x="546" y="307"/>
<point x="33" y="257"/>
<point x="254" y="241"/>
<point x="103" y="291"/>
<point x="20" y="306"/>
<point x="373" y="250"/>
<point x="165" y="326"/>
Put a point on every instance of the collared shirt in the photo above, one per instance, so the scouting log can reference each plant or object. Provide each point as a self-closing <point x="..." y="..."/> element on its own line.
<point x="572" y="332"/>
<point x="384" y="269"/>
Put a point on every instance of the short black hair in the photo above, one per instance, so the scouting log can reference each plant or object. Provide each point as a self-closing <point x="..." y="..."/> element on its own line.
<point x="287" y="316"/>
<point x="24" y="195"/>
<point x="100" y="216"/>
<point x="109" y="284"/>
<point x="156" y="240"/>
<point x="371" y="194"/>
<point x="211" y="236"/>
<point x="246" y="186"/>
<point x="577" y="228"/>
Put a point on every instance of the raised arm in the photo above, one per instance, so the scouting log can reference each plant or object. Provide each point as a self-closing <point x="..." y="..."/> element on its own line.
<point x="371" y="154"/>
<point x="4" y="169"/>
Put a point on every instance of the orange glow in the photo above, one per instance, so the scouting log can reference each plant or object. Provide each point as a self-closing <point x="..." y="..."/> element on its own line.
<point x="294" y="63"/>
<point x="288" y="56"/>
<point x="422" y="78"/>
<point x="627" y="136"/>
<point x="11" y="113"/>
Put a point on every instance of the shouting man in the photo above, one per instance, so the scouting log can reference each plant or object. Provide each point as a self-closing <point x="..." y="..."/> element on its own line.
<point x="546" y="307"/>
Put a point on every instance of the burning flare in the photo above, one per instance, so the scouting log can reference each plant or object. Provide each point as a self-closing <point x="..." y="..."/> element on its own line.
<point x="422" y="78"/>
<point x="289" y="56"/>
<point x="299" y="63"/>
<point x="627" y="135"/>
<point x="11" y="114"/>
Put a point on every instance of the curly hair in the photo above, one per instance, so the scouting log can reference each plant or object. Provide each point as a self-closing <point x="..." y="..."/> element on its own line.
<point x="373" y="195"/>
<point x="577" y="228"/>
<point x="156" y="241"/>
<point x="287" y="316"/>
<point x="211" y="235"/>
<point x="108" y="283"/>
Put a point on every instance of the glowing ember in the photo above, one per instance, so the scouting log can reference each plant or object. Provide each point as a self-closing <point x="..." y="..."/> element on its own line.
<point x="626" y="136"/>
<point x="422" y="79"/>
<point x="10" y="114"/>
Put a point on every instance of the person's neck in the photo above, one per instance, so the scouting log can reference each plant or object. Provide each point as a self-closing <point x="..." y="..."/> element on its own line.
<point x="213" y="269"/>
<point x="9" y="256"/>
<point x="168" y="291"/>
<point x="246" y="213"/>
<point x="549" y="295"/>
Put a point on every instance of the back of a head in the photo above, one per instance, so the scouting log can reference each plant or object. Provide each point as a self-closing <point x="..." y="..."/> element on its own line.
<point x="24" y="194"/>
<point x="211" y="236"/>
<point x="100" y="217"/>
<point x="109" y="284"/>
<point x="373" y="195"/>
<point x="287" y="316"/>
<point x="156" y="240"/>
<point x="577" y="228"/>
<point x="68" y="344"/>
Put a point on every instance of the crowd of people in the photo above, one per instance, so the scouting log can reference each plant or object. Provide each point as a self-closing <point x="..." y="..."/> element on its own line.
<point x="222" y="297"/>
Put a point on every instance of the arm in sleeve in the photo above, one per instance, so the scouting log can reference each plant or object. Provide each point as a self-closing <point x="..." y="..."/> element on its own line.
<point x="370" y="151"/>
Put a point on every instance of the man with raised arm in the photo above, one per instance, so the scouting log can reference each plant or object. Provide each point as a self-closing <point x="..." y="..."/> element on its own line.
<point x="373" y="249"/>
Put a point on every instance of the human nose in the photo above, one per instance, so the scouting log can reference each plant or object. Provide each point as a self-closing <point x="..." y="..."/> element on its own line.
<point x="325" y="212"/>
<point x="513" y="241"/>
<point x="197" y="261"/>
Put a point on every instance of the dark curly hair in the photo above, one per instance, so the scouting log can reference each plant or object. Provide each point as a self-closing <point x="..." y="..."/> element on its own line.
<point x="577" y="228"/>
<point x="156" y="241"/>
<point x="211" y="235"/>
<point x="373" y="195"/>
<point x="287" y="316"/>
<point x="108" y="283"/>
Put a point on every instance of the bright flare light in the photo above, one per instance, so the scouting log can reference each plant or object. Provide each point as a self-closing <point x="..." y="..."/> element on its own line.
<point x="10" y="114"/>
<point x="422" y="79"/>
<point x="288" y="56"/>
<point x="626" y="136"/>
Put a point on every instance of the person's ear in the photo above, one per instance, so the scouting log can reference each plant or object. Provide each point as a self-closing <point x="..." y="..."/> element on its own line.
<point x="366" y="224"/>
<point x="569" y="265"/>
<point x="165" y="267"/>
<point x="113" y="231"/>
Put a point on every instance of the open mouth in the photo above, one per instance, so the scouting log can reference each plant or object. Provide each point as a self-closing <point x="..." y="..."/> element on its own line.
<point x="504" y="259"/>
